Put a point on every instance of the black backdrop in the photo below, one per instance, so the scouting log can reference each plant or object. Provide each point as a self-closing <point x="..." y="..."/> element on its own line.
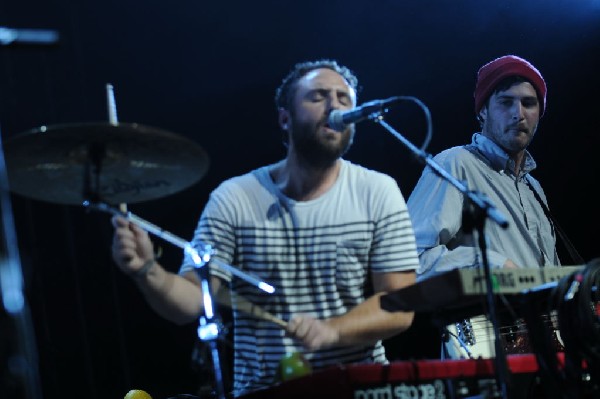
<point x="207" y="71"/>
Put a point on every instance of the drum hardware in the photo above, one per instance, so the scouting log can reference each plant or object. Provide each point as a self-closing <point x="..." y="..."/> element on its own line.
<point x="209" y="324"/>
<point x="113" y="162"/>
<point x="96" y="164"/>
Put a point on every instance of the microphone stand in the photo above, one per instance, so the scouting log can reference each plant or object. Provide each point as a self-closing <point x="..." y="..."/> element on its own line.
<point x="209" y="324"/>
<point x="481" y="209"/>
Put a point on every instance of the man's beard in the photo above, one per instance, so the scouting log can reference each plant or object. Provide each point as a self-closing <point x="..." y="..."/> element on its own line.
<point x="315" y="152"/>
<point x="496" y="131"/>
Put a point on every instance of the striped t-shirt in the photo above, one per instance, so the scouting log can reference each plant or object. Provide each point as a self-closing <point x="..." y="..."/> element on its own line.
<point x="318" y="255"/>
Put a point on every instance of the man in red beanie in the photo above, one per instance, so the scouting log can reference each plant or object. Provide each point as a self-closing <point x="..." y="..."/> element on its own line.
<point x="510" y="98"/>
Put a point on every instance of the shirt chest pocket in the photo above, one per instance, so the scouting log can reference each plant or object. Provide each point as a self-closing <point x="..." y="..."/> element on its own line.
<point x="352" y="260"/>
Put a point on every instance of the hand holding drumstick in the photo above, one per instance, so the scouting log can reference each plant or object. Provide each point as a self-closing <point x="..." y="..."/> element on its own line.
<point x="313" y="333"/>
<point x="224" y="297"/>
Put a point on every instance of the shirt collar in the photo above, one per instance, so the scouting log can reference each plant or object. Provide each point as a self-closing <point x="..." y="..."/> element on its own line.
<point x="498" y="158"/>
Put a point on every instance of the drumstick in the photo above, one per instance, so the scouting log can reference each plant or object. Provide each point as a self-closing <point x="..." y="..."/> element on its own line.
<point x="225" y="297"/>
<point x="113" y="120"/>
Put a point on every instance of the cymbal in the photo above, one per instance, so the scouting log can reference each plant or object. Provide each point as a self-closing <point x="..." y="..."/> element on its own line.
<point x="113" y="163"/>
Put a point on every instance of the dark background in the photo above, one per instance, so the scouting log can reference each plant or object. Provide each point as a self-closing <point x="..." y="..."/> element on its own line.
<point x="207" y="71"/>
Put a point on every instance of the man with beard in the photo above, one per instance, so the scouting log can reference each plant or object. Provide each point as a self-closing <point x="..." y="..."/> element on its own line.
<point x="510" y="98"/>
<point x="329" y="235"/>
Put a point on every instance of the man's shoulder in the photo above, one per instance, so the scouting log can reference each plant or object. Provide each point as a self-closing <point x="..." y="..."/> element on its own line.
<point x="362" y="172"/>
<point x="244" y="181"/>
<point x="370" y="183"/>
<point x="456" y="151"/>
<point x="455" y="155"/>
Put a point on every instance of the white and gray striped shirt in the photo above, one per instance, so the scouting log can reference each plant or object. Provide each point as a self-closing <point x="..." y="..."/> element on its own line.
<point x="317" y="254"/>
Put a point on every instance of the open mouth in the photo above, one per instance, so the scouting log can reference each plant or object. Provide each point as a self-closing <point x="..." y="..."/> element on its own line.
<point x="328" y="127"/>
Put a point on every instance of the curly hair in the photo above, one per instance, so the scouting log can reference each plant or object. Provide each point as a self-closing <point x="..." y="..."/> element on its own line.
<point x="285" y="92"/>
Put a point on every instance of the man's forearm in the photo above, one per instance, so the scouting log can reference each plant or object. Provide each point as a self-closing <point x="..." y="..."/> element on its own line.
<point x="173" y="297"/>
<point x="368" y="323"/>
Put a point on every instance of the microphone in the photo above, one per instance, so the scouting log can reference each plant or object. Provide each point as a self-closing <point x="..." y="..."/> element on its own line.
<point x="339" y="120"/>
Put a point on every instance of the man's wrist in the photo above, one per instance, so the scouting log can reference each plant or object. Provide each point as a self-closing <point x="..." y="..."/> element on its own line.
<point x="144" y="270"/>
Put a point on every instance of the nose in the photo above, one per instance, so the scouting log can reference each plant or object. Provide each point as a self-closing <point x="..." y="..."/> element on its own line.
<point x="337" y="100"/>
<point x="333" y="103"/>
<point x="517" y="112"/>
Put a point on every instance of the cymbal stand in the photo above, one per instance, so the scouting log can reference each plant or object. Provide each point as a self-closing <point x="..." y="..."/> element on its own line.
<point x="96" y="152"/>
<point x="482" y="208"/>
<point x="209" y="325"/>
<point x="23" y="364"/>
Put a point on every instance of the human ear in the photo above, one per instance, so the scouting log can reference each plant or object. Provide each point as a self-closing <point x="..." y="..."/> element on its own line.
<point x="284" y="118"/>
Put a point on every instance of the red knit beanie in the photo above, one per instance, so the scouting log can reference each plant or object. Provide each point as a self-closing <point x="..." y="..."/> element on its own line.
<point x="494" y="71"/>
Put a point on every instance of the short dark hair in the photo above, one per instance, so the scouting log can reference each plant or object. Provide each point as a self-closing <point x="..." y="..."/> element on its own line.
<point x="285" y="91"/>
<point x="506" y="83"/>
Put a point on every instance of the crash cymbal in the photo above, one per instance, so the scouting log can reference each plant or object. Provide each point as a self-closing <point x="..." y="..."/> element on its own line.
<point x="112" y="163"/>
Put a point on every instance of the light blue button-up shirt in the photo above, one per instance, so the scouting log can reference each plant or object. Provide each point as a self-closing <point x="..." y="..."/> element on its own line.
<point x="436" y="209"/>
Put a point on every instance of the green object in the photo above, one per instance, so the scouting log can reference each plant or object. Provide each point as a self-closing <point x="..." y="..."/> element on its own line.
<point x="495" y="285"/>
<point x="293" y="365"/>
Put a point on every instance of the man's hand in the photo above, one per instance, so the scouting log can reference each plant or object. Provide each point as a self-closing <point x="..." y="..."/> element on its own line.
<point x="131" y="247"/>
<point x="314" y="334"/>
